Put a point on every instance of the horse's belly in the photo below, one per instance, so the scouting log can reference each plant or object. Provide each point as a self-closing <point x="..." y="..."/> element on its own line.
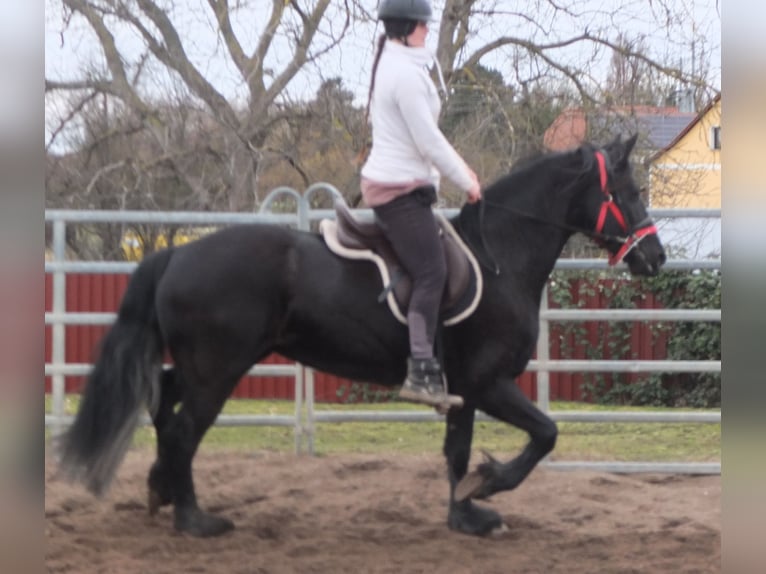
<point x="365" y="347"/>
<point x="386" y="370"/>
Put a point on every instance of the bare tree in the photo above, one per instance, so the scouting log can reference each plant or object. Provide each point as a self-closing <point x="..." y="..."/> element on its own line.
<point x="565" y="38"/>
<point x="237" y="124"/>
<point x="629" y="79"/>
<point x="303" y="30"/>
<point x="317" y="142"/>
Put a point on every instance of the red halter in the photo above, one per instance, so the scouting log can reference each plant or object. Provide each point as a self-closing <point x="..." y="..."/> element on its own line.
<point x="643" y="229"/>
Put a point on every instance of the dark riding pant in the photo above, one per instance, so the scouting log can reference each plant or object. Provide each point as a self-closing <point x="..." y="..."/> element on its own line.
<point x="409" y="224"/>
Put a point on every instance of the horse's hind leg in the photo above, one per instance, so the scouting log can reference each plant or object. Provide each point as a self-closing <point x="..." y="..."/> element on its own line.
<point x="506" y="401"/>
<point x="203" y="398"/>
<point x="464" y="516"/>
<point x="160" y="483"/>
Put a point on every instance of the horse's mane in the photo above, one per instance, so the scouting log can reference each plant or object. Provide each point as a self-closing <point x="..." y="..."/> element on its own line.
<point x="542" y="160"/>
<point x="469" y="220"/>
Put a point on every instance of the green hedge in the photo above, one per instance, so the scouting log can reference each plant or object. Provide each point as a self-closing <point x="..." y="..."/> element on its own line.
<point x="700" y="289"/>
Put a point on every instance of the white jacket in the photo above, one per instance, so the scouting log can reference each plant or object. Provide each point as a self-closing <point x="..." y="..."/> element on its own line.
<point x="407" y="144"/>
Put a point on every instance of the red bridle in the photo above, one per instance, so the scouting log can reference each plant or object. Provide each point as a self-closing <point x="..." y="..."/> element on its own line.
<point x="640" y="230"/>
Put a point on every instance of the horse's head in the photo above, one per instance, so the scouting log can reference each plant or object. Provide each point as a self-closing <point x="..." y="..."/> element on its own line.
<point x="617" y="214"/>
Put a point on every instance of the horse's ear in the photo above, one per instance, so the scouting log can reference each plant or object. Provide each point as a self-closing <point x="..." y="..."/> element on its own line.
<point x="619" y="151"/>
<point x="623" y="156"/>
<point x="630" y="144"/>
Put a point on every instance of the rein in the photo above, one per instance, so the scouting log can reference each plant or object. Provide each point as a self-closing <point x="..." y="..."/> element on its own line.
<point x="609" y="206"/>
<point x="548" y="222"/>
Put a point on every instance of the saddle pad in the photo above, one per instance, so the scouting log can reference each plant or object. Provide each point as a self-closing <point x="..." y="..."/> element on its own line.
<point x="328" y="228"/>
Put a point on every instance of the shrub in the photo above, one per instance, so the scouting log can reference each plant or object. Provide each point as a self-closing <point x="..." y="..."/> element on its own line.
<point x="689" y="340"/>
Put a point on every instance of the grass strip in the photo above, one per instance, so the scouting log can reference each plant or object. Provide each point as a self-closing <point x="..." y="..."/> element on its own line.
<point x="630" y="442"/>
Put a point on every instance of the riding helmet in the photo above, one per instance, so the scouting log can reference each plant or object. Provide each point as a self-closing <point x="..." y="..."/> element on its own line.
<point x="416" y="10"/>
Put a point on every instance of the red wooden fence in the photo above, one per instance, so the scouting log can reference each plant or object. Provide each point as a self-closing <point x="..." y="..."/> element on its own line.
<point x="103" y="292"/>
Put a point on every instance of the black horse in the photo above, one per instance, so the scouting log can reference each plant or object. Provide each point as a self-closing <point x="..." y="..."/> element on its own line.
<point x="223" y="303"/>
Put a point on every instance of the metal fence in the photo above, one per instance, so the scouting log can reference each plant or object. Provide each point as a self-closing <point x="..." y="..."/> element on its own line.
<point x="306" y="417"/>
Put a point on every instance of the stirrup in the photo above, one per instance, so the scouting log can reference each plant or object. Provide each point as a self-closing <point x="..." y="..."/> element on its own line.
<point x="425" y="384"/>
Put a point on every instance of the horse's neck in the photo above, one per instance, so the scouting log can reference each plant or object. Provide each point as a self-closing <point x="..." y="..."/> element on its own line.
<point x="524" y="227"/>
<point x="530" y="252"/>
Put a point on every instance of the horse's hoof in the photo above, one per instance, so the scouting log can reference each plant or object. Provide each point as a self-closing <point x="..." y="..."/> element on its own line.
<point x="499" y="531"/>
<point x="155" y="501"/>
<point x="201" y="524"/>
<point x="476" y="484"/>
<point x="158" y="498"/>
<point x="160" y="492"/>
<point x="469" y="518"/>
<point x="470" y="486"/>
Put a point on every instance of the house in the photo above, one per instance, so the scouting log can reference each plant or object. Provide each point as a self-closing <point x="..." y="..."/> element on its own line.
<point x="677" y="156"/>
<point x="686" y="172"/>
<point x="656" y="126"/>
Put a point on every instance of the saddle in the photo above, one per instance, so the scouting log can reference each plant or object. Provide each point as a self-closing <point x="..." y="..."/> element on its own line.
<point x="364" y="240"/>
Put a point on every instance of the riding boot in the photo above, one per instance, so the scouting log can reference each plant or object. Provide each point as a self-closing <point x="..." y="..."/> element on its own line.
<point x="425" y="384"/>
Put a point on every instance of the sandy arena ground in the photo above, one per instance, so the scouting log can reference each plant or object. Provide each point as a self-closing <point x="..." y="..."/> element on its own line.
<point x="373" y="514"/>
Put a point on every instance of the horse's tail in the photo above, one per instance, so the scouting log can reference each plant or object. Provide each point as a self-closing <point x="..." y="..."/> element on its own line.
<point x="124" y="379"/>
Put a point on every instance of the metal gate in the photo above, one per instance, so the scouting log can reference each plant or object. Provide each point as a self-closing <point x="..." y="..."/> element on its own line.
<point x="306" y="418"/>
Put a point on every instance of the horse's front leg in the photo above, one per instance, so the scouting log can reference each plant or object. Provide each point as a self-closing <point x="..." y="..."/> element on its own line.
<point x="464" y="516"/>
<point x="505" y="401"/>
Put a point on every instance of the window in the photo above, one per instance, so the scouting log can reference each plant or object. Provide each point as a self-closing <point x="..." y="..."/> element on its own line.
<point x="715" y="137"/>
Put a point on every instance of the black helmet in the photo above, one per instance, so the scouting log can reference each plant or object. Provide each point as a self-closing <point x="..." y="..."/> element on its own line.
<point x="417" y="10"/>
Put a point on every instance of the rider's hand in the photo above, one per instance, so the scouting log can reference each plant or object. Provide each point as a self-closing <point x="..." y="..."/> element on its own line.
<point x="474" y="193"/>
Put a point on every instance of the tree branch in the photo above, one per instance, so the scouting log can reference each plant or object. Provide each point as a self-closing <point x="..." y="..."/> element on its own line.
<point x="102" y="171"/>
<point x="174" y="56"/>
<point x="243" y="63"/>
<point x="256" y="84"/>
<point x="70" y="116"/>
<point x="120" y="85"/>
<point x="455" y="17"/>
<point x="310" y="27"/>
<point x="540" y="49"/>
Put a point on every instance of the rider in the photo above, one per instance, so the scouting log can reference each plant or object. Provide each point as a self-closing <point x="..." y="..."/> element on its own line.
<point x="401" y="176"/>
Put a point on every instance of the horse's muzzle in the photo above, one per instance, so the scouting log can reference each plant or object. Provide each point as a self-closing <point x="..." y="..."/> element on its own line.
<point x="647" y="257"/>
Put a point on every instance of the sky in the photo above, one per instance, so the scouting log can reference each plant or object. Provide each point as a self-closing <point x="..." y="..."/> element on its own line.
<point x="72" y="48"/>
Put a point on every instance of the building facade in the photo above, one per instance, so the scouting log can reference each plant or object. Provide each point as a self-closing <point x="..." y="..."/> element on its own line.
<point x="686" y="173"/>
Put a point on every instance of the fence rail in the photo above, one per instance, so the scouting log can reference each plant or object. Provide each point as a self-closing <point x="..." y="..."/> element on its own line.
<point x="306" y="417"/>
